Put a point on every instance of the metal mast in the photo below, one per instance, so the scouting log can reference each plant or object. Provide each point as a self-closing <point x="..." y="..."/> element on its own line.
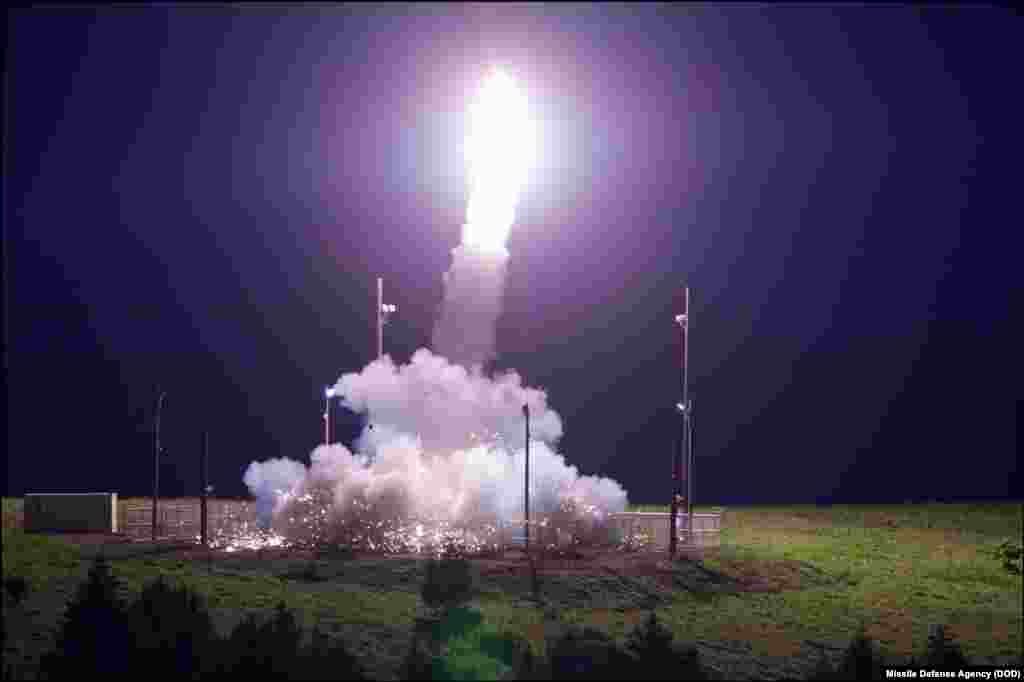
<point x="384" y="310"/>
<point x="328" y="394"/>
<point x="205" y="490"/>
<point x="683" y="464"/>
<point x="156" y="458"/>
<point x="380" y="317"/>
<point x="526" y="479"/>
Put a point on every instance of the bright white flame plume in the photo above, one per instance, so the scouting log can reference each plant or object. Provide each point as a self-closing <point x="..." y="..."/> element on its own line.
<point x="499" y="150"/>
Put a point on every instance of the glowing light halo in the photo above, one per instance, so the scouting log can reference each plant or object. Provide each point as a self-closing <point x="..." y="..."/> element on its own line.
<point x="498" y="150"/>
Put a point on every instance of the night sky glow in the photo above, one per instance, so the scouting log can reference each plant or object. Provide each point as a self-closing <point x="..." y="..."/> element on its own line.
<point x="203" y="199"/>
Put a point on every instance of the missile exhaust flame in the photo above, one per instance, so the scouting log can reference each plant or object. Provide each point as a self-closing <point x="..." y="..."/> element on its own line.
<point x="499" y="150"/>
<point x="444" y="461"/>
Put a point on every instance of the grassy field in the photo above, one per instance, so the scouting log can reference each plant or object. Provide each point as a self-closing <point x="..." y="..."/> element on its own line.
<point x="894" y="568"/>
<point x="824" y="571"/>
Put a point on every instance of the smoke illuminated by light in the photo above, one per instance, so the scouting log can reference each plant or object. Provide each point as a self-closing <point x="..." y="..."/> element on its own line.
<point x="442" y="458"/>
<point x="443" y="463"/>
<point x="499" y="150"/>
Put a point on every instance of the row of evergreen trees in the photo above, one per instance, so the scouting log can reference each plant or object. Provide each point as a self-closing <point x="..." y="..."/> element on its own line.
<point x="168" y="629"/>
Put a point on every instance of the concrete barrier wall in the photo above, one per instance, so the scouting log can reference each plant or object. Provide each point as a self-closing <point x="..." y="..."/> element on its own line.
<point x="71" y="512"/>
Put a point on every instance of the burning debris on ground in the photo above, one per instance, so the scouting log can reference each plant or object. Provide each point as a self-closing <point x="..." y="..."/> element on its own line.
<point x="415" y="483"/>
<point x="312" y="523"/>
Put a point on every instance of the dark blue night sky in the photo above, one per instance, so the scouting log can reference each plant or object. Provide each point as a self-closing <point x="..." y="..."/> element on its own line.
<point x="201" y="197"/>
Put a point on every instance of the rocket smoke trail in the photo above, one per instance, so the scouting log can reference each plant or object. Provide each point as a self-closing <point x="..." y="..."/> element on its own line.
<point x="445" y="448"/>
<point x="497" y="153"/>
<point x="473" y="288"/>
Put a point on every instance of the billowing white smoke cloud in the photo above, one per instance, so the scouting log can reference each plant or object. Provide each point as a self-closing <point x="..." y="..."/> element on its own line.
<point x="445" y="405"/>
<point x="443" y="444"/>
<point x="267" y="481"/>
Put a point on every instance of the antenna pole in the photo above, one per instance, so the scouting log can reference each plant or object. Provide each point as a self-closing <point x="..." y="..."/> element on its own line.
<point x="204" y="475"/>
<point x="526" y="479"/>
<point x="681" y="460"/>
<point x="156" y="458"/>
<point x="687" y="413"/>
<point x="380" y="317"/>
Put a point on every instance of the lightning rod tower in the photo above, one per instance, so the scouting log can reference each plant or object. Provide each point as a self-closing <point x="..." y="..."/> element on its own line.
<point x="682" y="457"/>
<point x="384" y="311"/>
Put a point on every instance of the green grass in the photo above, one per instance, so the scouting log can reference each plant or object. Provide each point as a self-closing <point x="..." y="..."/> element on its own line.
<point x="475" y="655"/>
<point x="39" y="558"/>
<point x="899" y="568"/>
<point x="894" y="569"/>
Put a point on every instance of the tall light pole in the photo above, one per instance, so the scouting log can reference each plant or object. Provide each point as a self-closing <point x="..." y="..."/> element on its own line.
<point x="684" y="408"/>
<point x="156" y="458"/>
<point x="689" y="466"/>
<point x="328" y="394"/>
<point x="204" y="478"/>
<point x="384" y="310"/>
<point x="526" y="479"/>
